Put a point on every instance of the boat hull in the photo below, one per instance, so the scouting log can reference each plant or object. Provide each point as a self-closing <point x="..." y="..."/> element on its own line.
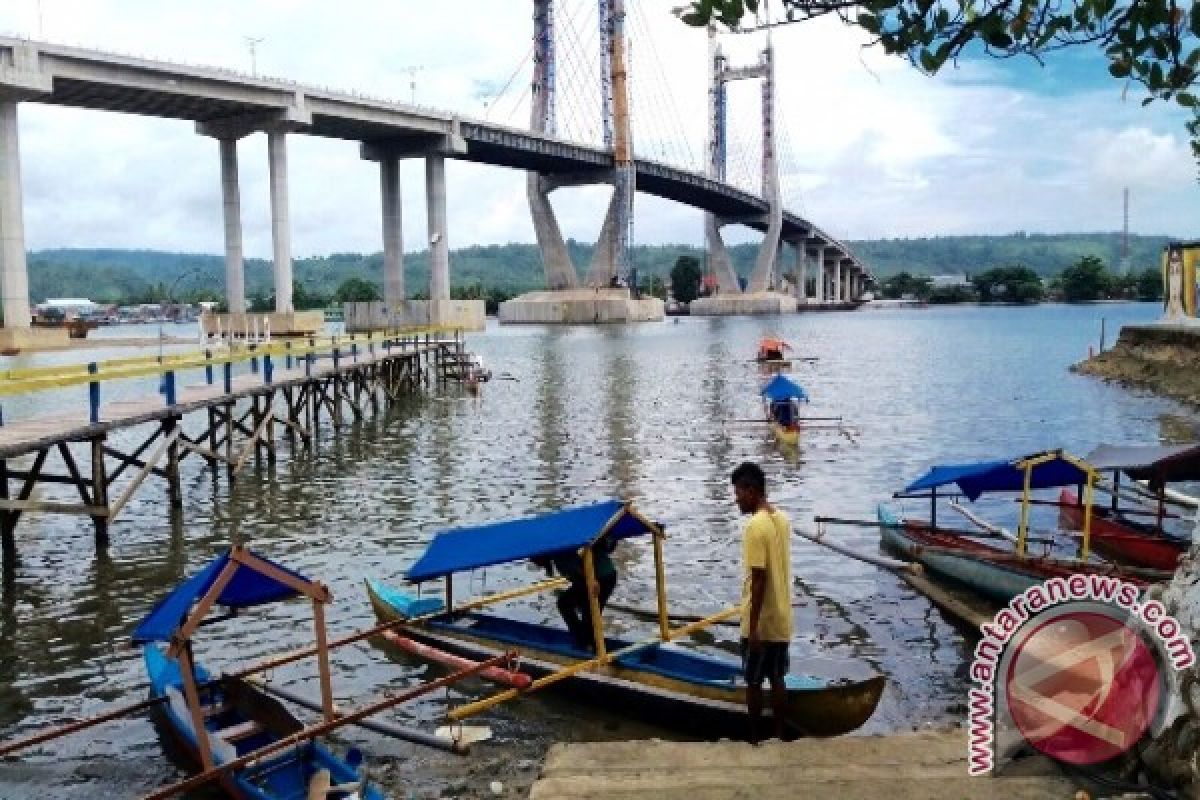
<point x="786" y="436"/>
<point x="283" y="775"/>
<point x="1134" y="544"/>
<point x="652" y="682"/>
<point x="994" y="573"/>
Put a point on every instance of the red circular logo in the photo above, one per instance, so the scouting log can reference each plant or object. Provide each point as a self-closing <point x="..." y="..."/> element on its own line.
<point x="1083" y="687"/>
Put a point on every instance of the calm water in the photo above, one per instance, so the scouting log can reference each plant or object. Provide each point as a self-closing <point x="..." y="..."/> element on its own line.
<point x="648" y="413"/>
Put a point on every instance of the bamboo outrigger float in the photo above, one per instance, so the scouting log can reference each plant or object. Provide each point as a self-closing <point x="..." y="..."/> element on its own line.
<point x="698" y="692"/>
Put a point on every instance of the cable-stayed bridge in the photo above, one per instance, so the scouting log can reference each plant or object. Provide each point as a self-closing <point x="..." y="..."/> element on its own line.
<point x="578" y="135"/>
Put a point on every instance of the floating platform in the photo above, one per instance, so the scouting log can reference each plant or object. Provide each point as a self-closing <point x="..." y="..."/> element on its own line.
<point x="746" y="303"/>
<point x="908" y="766"/>
<point x="580" y="307"/>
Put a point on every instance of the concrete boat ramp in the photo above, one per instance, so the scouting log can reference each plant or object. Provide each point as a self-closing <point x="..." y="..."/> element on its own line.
<point x="897" y="767"/>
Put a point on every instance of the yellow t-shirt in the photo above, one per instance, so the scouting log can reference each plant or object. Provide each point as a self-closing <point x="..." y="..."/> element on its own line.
<point x="765" y="546"/>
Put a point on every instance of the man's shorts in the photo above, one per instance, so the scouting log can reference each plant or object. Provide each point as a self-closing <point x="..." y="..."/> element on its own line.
<point x="769" y="661"/>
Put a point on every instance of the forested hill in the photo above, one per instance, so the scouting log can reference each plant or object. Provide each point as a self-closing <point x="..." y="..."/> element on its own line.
<point x="1046" y="254"/>
<point x="126" y="275"/>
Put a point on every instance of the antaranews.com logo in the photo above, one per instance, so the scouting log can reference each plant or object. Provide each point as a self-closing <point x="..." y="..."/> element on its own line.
<point x="1076" y="667"/>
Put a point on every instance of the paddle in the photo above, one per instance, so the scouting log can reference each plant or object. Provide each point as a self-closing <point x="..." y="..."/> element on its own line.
<point x="799" y="419"/>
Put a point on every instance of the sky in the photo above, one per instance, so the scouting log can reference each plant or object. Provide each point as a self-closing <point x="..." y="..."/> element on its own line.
<point x="870" y="148"/>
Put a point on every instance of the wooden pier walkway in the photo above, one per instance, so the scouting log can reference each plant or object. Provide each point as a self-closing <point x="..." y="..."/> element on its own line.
<point x="339" y="377"/>
<point x="906" y="766"/>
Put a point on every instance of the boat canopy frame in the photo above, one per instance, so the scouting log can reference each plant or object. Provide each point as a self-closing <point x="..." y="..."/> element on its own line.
<point x="1044" y="470"/>
<point x="279" y="583"/>
<point x="617" y="518"/>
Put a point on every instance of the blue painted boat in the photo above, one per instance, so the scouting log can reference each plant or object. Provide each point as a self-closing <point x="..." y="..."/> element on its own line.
<point x="240" y="719"/>
<point x="666" y="683"/>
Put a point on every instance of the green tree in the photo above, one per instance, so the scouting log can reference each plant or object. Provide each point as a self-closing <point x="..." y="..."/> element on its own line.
<point x="1150" y="285"/>
<point x="356" y="290"/>
<point x="259" y="301"/>
<point x="1155" y="43"/>
<point x="685" y="279"/>
<point x="1087" y="280"/>
<point x="904" y="283"/>
<point x="1016" y="284"/>
<point x="304" y="299"/>
<point x="952" y="294"/>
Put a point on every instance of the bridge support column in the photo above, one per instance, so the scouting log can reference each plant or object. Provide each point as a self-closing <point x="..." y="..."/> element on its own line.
<point x="393" y="236"/>
<point x="439" y="249"/>
<point x="718" y="257"/>
<point x="837" y="282"/>
<point x="14" y="275"/>
<point x="281" y="235"/>
<point x="802" y="272"/>
<point x="231" y="203"/>
<point x="556" y="261"/>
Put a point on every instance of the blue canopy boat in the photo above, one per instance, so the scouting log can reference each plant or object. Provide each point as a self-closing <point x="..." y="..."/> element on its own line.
<point x="781" y="398"/>
<point x="699" y="693"/>
<point x="994" y="572"/>
<point x="218" y="721"/>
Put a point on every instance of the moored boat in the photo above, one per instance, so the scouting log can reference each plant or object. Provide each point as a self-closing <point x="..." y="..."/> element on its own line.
<point x="222" y="724"/>
<point x="998" y="573"/>
<point x="1121" y="538"/>
<point x="696" y="692"/>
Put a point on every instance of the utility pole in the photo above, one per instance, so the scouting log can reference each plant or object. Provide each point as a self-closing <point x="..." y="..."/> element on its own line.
<point x="412" y="82"/>
<point x="252" y="43"/>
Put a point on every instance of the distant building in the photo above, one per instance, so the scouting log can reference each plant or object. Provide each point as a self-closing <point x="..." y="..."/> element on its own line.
<point x="66" y="307"/>
<point x="950" y="281"/>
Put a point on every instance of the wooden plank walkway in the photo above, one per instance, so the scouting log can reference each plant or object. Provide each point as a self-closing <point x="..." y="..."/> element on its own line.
<point x="25" y="436"/>
<point x="909" y="766"/>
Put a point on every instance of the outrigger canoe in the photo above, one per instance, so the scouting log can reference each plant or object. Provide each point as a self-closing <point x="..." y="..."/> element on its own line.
<point x="673" y="685"/>
<point x="781" y="399"/>
<point x="225" y="720"/>
<point x="240" y="719"/>
<point x="997" y="573"/>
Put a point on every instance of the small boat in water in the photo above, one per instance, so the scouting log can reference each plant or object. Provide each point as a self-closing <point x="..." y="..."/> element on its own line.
<point x="225" y="721"/>
<point x="656" y="677"/>
<point x="998" y="573"/>
<point x="771" y="353"/>
<point x="1117" y="536"/>
<point x="781" y="405"/>
<point x="239" y="719"/>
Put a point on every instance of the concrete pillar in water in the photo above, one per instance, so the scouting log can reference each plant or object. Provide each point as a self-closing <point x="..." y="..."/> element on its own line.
<point x="281" y="236"/>
<point x="802" y="272"/>
<point x="393" y="241"/>
<point x="837" y="282"/>
<point x="435" y="206"/>
<point x="14" y="275"/>
<point x="231" y="203"/>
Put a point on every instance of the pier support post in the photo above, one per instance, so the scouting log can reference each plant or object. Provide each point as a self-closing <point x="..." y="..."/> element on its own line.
<point x="837" y="282"/>
<point x="393" y="241"/>
<point x="14" y="275"/>
<point x="174" y="490"/>
<point x="235" y="275"/>
<point x="439" y="246"/>
<point x="8" y="522"/>
<point x="230" y="469"/>
<point x="99" y="491"/>
<point x="281" y="236"/>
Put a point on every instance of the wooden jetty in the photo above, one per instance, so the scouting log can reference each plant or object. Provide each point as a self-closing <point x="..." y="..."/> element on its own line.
<point x="907" y="766"/>
<point x="290" y="386"/>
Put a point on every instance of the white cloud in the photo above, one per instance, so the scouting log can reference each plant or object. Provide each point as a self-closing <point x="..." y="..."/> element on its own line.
<point x="875" y="148"/>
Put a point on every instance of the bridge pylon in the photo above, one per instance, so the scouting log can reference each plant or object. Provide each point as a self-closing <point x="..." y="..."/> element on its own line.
<point x="610" y="292"/>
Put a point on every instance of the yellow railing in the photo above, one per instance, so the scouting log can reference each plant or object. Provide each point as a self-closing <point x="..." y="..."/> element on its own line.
<point x="33" y="379"/>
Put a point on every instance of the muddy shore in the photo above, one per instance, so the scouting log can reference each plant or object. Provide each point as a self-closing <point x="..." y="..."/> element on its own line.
<point x="1164" y="359"/>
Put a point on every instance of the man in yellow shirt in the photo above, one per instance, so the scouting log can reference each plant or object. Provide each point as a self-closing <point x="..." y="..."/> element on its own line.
<point x="766" y="595"/>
